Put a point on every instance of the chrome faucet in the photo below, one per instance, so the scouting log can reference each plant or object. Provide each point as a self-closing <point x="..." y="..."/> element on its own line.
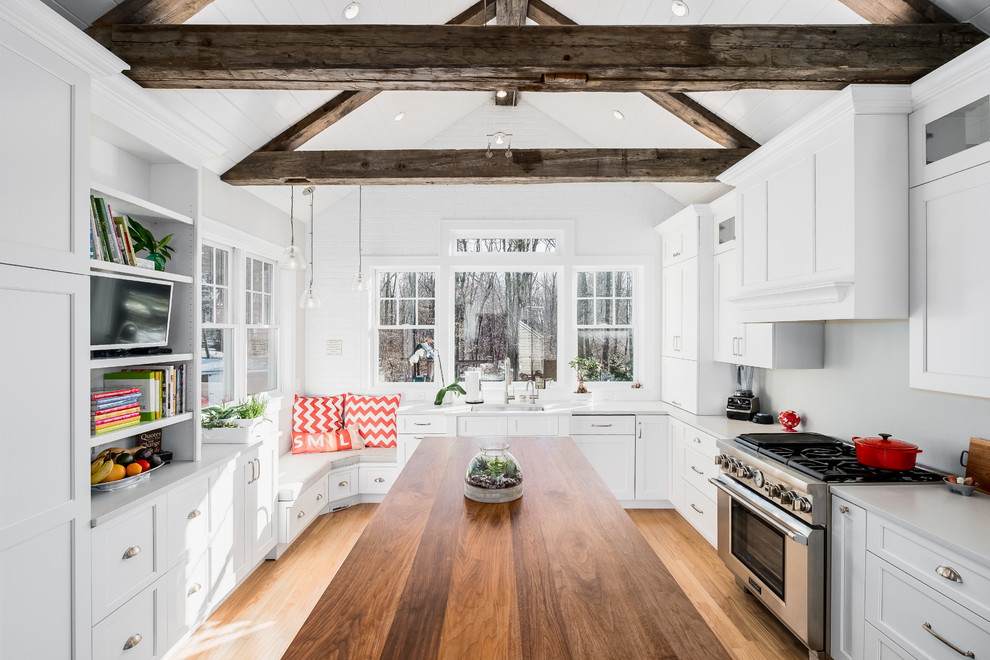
<point x="526" y="395"/>
<point x="508" y="380"/>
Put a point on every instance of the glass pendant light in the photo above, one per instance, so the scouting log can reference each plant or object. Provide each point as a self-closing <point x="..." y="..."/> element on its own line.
<point x="309" y="299"/>
<point x="358" y="283"/>
<point x="292" y="257"/>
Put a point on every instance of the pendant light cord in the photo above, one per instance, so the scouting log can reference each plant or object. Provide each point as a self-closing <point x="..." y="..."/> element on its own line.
<point x="312" y="245"/>
<point x="292" y="215"/>
<point x="360" y="221"/>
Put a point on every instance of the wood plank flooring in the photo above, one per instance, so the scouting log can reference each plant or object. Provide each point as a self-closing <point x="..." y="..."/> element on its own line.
<point x="261" y="618"/>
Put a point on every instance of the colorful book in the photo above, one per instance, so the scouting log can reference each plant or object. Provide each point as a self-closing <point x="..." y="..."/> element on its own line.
<point x="104" y="242"/>
<point x="111" y="392"/>
<point x="105" y="404"/>
<point x="116" y="421"/>
<point x="123" y="425"/>
<point x="114" y="413"/>
<point x="125" y="234"/>
<point x="113" y="409"/>
<point x="149" y="382"/>
<point x="106" y="225"/>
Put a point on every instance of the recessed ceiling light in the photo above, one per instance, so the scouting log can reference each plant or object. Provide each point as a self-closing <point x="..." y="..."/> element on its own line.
<point x="399" y="117"/>
<point x="501" y="93"/>
<point x="678" y="8"/>
<point x="352" y="10"/>
<point x="618" y="115"/>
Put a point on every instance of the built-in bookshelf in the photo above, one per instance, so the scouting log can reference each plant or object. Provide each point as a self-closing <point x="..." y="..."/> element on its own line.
<point x="96" y="441"/>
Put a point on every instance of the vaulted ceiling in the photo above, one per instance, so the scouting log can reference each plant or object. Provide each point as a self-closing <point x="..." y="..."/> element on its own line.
<point x="245" y="120"/>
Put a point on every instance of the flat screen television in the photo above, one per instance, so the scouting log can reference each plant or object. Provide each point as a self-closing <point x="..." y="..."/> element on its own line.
<point x="127" y="312"/>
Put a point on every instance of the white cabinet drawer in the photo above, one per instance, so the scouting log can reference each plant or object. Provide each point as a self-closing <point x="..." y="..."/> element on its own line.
<point x="880" y="647"/>
<point x="127" y="556"/>
<point x="918" y="618"/>
<point x="924" y="561"/>
<point x="187" y="515"/>
<point x="343" y="483"/>
<point x="420" y="424"/>
<point x="188" y="596"/>
<point x="136" y="630"/>
<point x="483" y="425"/>
<point x="303" y="511"/>
<point x="698" y="468"/>
<point x="603" y="425"/>
<point x="532" y="425"/>
<point x="376" y="479"/>
<point x="701" y="442"/>
<point x="701" y="512"/>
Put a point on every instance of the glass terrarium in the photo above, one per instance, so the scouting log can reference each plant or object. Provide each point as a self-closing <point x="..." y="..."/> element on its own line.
<point x="493" y="475"/>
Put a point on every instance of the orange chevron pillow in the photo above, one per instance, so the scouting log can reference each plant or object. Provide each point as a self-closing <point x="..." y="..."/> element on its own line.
<point x="317" y="414"/>
<point x="374" y="416"/>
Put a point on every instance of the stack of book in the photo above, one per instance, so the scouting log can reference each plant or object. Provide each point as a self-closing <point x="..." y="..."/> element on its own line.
<point x="113" y="409"/>
<point x="109" y="235"/>
<point x="162" y="389"/>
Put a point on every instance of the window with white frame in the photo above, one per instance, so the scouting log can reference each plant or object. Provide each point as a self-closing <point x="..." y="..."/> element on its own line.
<point x="605" y="321"/>
<point x="240" y="347"/>
<point x="406" y="317"/>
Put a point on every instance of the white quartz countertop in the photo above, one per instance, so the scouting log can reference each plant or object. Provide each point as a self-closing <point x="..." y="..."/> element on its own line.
<point x="953" y="521"/>
<point x="717" y="425"/>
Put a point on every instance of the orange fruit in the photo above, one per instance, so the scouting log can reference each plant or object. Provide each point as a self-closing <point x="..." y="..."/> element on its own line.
<point x="134" y="469"/>
<point x="117" y="472"/>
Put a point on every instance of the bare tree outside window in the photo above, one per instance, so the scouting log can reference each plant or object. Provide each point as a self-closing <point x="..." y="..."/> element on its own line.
<point x="500" y="315"/>
<point x="604" y="322"/>
<point x="406" y="318"/>
<point x="507" y="245"/>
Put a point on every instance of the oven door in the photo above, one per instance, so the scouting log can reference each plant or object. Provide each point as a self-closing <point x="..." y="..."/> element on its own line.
<point x="778" y="557"/>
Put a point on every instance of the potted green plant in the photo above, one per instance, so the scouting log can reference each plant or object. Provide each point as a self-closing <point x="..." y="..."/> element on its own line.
<point x="227" y="423"/>
<point x="446" y="393"/>
<point x="584" y="368"/>
<point x="158" y="251"/>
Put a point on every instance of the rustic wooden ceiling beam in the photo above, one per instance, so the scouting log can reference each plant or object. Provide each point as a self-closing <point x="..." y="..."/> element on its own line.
<point x="347" y="102"/>
<point x="510" y="12"/>
<point x="681" y="106"/>
<point x="152" y="12"/>
<point x="552" y="58"/>
<point x="898" y="12"/>
<point x="472" y="166"/>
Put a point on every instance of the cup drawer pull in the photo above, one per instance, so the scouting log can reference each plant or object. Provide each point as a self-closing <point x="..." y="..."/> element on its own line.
<point x="300" y="514"/>
<point x="949" y="573"/>
<point x="133" y="641"/>
<point x="697" y="440"/>
<point x="379" y="480"/>
<point x="319" y="496"/>
<point x="192" y="515"/>
<point x="343" y="484"/>
<point x="965" y="654"/>
<point x="131" y="552"/>
<point x="193" y="589"/>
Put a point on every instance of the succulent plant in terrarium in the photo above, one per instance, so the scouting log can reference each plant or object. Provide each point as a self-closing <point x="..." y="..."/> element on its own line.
<point x="493" y="475"/>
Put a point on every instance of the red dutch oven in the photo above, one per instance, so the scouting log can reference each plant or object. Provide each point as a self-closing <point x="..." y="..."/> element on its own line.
<point x="885" y="453"/>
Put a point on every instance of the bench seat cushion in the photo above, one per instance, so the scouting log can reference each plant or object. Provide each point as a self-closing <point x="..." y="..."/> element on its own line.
<point x="297" y="472"/>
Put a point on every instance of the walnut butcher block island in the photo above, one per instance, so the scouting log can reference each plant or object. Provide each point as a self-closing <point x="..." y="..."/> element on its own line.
<point x="560" y="573"/>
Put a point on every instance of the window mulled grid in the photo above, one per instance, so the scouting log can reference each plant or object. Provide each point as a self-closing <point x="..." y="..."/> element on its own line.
<point x="605" y="322"/>
<point x="406" y="326"/>
<point x="262" y="329"/>
<point x="216" y="349"/>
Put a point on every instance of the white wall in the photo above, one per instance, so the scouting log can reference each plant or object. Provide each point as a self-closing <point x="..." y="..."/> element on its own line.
<point x="863" y="390"/>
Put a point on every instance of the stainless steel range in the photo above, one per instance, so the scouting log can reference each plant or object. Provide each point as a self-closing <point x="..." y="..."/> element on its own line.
<point x="773" y="517"/>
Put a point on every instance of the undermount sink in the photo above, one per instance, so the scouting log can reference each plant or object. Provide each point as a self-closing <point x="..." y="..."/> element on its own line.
<point x="506" y="407"/>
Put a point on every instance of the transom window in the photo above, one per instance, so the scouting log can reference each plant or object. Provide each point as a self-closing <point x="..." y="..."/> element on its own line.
<point x="605" y="322"/>
<point x="406" y="320"/>
<point x="506" y="244"/>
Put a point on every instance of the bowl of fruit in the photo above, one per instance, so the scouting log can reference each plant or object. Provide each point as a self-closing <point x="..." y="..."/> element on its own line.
<point x="120" y="468"/>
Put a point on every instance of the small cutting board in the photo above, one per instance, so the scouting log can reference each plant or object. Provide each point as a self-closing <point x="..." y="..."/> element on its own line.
<point x="978" y="463"/>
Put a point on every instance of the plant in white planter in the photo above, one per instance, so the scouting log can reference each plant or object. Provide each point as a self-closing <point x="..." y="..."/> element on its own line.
<point x="233" y="424"/>
<point x="584" y="368"/>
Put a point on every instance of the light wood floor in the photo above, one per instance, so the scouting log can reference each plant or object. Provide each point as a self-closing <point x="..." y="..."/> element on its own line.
<point x="260" y="619"/>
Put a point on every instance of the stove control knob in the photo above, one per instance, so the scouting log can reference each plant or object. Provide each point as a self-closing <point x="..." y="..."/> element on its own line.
<point x="786" y="497"/>
<point x="773" y="490"/>
<point x="758" y="479"/>
<point x="802" y="504"/>
<point x="744" y="471"/>
<point x="721" y="459"/>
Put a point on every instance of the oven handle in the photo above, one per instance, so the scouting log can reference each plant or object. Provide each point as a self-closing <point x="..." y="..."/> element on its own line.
<point x="796" y="532"/>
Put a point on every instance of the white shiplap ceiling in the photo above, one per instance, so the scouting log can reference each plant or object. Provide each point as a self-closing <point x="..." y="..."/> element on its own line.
<point x="242" y="121"/>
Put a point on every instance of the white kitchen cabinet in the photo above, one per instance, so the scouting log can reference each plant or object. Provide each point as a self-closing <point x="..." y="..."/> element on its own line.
<point x="652" y="454"/>
<point x="258" y="478"/>
<point x="679" y="241"/>
<point x="137" y="629"/>
<point x="880" y="647"/>
<point x="821" y="213"/>
<point x="675" y="442"/>
<point x="614" y="459"/>
<point x="680" y="310"/>
<point x="187" y="515"/>
<point x="950" y="284"/>
<point x="227" y="552"/>
<point x="187" y="589"/>
<point x="692" y="464"/>
<point x="847" y="579"/>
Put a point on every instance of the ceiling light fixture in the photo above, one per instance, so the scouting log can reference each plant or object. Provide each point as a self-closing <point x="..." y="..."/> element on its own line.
<point x="309" y="299"/>
<point x="501" y="93"/>
<point x="358" y="283"/>
<point x="678" y="8"/>
<point x="618" y="114"/>
<point x="352" y="10"/>
<point x="500" y="138"/>
<point x="292" y="256"/>
<point x="399" y="116"/>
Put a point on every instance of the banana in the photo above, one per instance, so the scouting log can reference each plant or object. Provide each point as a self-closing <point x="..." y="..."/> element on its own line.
<point x="97" y="464"/>
<point x="101" y="473"/>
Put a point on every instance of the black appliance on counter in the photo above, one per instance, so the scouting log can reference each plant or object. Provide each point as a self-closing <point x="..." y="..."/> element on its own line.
<point x="743" y="404"/>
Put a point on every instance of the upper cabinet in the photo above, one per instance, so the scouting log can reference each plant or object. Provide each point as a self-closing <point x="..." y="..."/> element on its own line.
<point x="950" y="127"/>
<point x="821" y="213"/>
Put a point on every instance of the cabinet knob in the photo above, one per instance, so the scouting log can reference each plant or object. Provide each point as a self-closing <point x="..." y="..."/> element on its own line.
<point x="133" y="641"/>
<point x="342" y="484"/>
<point x="132" y="551"/>
<point x="319" y="496"/>
<point x="379" y="480"/>
<point x="696" y="440"/>
<point x="948" y="573"/>
<point x="192" y="515"/>
<point x="844" y="509"/>
<point x="193" y="589"/>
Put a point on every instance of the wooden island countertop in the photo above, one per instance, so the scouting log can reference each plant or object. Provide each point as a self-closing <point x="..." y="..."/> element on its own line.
<point x="560" y="573"/>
